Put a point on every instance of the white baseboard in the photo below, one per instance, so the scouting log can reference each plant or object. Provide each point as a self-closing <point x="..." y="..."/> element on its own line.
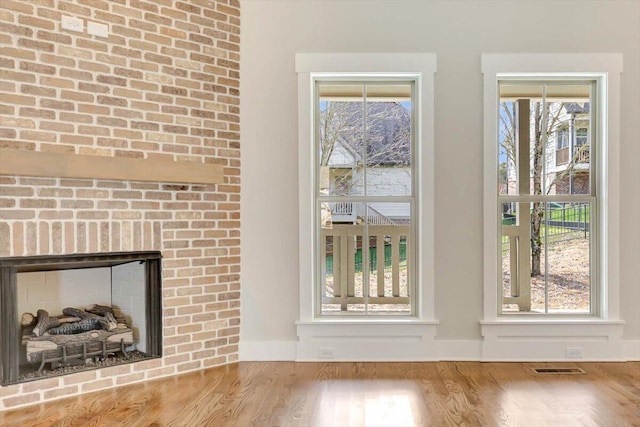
<point x="459" y="350"/>
<point x="447" y="350"/>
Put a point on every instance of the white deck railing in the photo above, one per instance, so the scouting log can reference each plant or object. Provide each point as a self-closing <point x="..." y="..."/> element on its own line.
<point x="519" y="267"/>
<point x="356" y="210"/>
<point x="343" y="288"/>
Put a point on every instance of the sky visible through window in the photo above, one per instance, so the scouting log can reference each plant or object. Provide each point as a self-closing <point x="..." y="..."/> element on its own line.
<point x="501" y="133"/>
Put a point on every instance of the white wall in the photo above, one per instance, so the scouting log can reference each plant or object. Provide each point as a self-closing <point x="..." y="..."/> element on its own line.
<point x="458" y="32"/>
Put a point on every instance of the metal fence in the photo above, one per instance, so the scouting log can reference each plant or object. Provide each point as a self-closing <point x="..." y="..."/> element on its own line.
<point x="561" y="222"/>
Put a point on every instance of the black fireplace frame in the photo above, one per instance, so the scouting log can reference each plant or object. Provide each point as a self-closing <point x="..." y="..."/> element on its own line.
<point x="10" y="339"/>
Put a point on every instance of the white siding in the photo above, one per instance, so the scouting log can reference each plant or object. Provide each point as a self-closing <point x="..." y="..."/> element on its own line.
<point x="341" y="157"/>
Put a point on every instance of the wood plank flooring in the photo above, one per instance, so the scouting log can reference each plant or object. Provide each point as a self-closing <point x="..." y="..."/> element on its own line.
<point x="359" y="394"/>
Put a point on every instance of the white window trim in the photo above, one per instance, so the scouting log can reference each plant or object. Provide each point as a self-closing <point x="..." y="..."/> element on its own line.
<point x="552" y="333"/>
<point x="315" y="331"/>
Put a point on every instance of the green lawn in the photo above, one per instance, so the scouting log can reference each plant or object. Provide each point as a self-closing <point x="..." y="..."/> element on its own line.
<point x="572" y="213"/>
<point x="568" y="214"/>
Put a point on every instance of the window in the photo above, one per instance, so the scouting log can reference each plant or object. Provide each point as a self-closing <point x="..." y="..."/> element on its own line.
<point x="554" y="253"/>
<point x="365" y="172"/>
<point x="562" y="137"/>
<point x="365" y="142"/>
<point x="582" y="135"/>
<point x="548" y="235"/>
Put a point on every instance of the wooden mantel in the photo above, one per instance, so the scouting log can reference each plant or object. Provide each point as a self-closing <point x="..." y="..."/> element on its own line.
<point x="69" y="165"/>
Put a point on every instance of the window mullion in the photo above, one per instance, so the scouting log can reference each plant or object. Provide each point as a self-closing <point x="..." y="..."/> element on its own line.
<point x="365" y="234"/>
<point x="543" y="190"/>
<point x="364" y="140"/>
<point x="523" y="136"/>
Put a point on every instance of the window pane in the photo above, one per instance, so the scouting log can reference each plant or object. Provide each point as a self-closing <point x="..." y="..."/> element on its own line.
<point x="509" y="251"/>
<point x="341" y="261"/>
<point x="388" y="151"/>
<point x="569" y="169"/>
<point x="347" y="262"/>
<point x="568" y="257"/>
<point x="521" y="145"/>
<point x="516" y="257"/>
<point x="546" y="257"/>
<point x="536" y="145"/>
<point x="389" y="226"/>
<point x="340" y="140"/>
<point x="538" y="257"/>
<point x="555" y="134"/>
<point x="330" y="288"/>
<point x="507" y="149"/>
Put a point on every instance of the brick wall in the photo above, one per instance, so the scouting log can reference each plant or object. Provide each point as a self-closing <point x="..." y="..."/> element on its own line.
<point x="164" y="84"/>
<point x="580" y="184"/>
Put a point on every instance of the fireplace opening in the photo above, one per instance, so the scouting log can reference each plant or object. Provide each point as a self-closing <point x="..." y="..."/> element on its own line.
<point x="69" y="313"/>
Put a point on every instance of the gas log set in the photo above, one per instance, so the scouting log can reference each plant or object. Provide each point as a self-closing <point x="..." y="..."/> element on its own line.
<point x="75" y="337"/>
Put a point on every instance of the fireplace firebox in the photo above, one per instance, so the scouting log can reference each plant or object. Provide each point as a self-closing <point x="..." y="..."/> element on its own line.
<point x="115" y="316"/>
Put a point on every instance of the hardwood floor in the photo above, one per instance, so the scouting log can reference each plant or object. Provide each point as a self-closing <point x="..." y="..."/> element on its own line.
<point x="359" y="394"/>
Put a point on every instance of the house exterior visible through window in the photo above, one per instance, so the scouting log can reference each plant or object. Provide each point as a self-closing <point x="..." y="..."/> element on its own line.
<point x="562" y="138"/>
<point x="582" y="135"/>
<point x="548" y="196"/>
<point x="364" y="138"/>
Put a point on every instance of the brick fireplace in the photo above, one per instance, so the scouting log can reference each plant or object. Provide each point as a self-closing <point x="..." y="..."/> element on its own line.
<point x="163" y="86"/>
<point x="127" y="285"/>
